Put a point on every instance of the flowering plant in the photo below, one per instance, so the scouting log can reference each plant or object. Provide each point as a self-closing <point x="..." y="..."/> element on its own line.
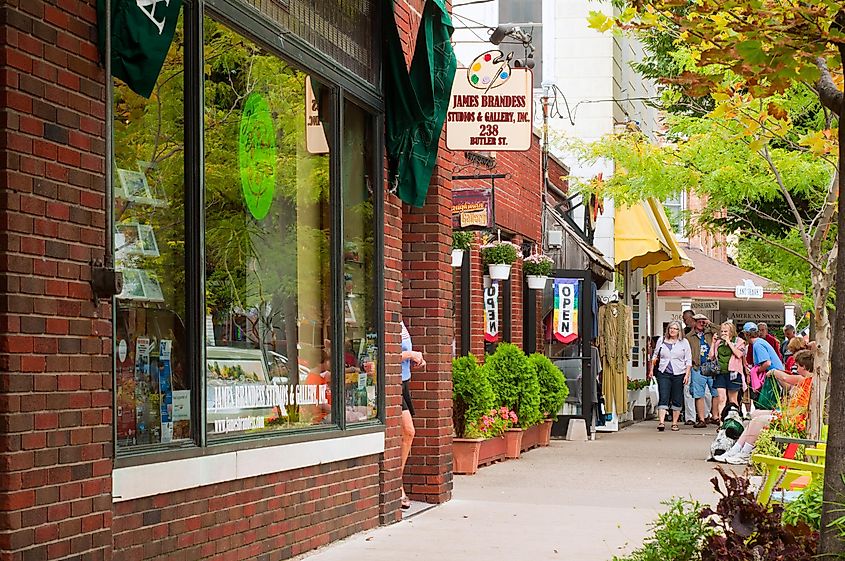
<point x="538" y="265"/>
<point x="794" y="424"/>
<point x="634" y="385"/>
<point x="494" y="423"/>
<point x="500" y="253"/>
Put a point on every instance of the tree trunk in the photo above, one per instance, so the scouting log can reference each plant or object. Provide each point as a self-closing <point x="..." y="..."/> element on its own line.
<point x="831" y="543"/>
<point x="821" y="321"/>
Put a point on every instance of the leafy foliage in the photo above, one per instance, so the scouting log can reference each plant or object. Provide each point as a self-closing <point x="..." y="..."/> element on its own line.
<point x="678" y="535"/>
<point x="744" y="529"/>
<point x="500" y="253"/>
<point x="515" y="384"/>
<point x="538" y="264"/>
<point x="807" y="508"/>
<point x="493" y="424"/>
<point x="553" y="389"/>
<point x="472" y="395"/>
<point x="462" y="239"/>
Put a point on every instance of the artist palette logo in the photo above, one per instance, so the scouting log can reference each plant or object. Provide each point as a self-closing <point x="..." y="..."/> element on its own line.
<point x="489" y="70"/>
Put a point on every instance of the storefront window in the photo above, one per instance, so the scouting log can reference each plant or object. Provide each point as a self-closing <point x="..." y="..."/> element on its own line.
<point x="152" y="385"/>
<point x="267" y="241"/>
<point x="361" y="344"/>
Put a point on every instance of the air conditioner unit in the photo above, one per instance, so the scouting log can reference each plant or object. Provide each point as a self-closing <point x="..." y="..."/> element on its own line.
<point x="554" y="238"/>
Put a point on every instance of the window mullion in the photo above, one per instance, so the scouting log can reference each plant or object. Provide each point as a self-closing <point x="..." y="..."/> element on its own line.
<point x="336" y="261"/>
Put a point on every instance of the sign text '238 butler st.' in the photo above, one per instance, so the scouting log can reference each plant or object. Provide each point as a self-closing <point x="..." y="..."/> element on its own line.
<point x="491" y="106"/>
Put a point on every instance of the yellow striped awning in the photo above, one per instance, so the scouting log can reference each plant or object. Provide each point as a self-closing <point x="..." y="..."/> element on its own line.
<point x="638" y="237"/>
<point x="679" y="263"/>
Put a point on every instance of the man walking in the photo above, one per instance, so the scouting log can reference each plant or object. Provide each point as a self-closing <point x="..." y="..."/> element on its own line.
<point x="700" y="339"/>
<point x="689" y="323"/>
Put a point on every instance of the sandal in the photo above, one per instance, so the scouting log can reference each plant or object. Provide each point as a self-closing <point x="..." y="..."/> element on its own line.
<point x="661" y="427"/>
<point x="676" y="428"/>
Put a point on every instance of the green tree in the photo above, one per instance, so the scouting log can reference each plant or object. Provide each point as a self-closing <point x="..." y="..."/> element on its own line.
<point x="753" y="50"/>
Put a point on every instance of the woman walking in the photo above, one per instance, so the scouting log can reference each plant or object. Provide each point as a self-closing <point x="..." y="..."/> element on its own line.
<point x="729" y="351"/>
<point x="671" y="363"/>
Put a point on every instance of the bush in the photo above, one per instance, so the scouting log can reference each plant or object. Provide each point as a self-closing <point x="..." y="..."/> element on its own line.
<point x="462" y="239"/>
<point x="472" y="395"/>
<point x="553" y="390"/>
<point x="515" y="384"/>
<point x="677" y="535"/>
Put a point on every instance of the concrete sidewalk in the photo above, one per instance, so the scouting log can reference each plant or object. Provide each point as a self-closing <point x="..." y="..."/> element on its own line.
<point x="572" y="501"/>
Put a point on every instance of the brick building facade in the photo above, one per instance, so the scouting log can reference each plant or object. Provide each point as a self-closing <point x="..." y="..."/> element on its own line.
<point x="59" y="470"/>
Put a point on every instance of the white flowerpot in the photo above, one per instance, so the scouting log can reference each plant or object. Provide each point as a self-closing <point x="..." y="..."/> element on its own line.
<point x="499" y="271"/>
<point x="537" y="282"/>
<point x="457" y="257"/>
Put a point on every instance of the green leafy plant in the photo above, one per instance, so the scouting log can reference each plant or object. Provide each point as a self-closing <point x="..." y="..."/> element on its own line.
<point x="472" y="395"/>
<point x="677" y="535"/>
<point x="462" y="240"/>
<point x="807" y="507"/>
<point x="634" y="385"/>
<point x="553" y="389"/>
<point x="515" y="383"/>
<point x="500" y="253"/>
<point x="537" y="265"/>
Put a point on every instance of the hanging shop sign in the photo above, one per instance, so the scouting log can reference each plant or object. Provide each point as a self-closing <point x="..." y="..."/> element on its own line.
<point x="705" y="305"/>
<point x="748" y="290"/>
<point x="566" y="310"/>
<point x="491" y="106"/>
<point x="472" y="208"/>
<point x="315" y="134"/>
<point x="491" y="313"/>
<point x="257" y="155"/>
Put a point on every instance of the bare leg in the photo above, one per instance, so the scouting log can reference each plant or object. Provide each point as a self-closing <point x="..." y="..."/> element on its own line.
<point x="699" y="409"/>
<point x="408" y="433"/>
<point x="756" y="425"/>
<point x="723" y="399"/>
<point x="716" y="405"/>
<point x="661" y="415"/>
<point x="733" y="396"/>
<point x="676" y="414"/>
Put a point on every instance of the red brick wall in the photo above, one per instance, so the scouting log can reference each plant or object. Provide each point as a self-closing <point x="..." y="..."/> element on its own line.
<point x="55" y="387"/>
<point x="272" y="517"/>
<point x="427" y="309"/>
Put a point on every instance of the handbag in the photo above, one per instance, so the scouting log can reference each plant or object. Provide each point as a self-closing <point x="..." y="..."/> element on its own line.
<point x="710" y="368"/>
<point x="770" y="395"/>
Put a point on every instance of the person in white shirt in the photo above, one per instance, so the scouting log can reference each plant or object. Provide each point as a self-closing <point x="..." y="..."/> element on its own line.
<point x="671" y="363"/>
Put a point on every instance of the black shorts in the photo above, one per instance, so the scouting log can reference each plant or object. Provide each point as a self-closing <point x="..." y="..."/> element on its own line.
<point x="406" y="398"/>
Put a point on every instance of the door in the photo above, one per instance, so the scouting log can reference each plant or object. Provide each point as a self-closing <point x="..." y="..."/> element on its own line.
<point x="567" y="323"/>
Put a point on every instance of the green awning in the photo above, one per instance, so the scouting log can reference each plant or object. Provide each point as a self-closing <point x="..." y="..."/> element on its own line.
<point x="416" y="102"/>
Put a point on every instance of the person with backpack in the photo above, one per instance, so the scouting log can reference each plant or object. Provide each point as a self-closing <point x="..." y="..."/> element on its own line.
<point x="798" y="403"/>
<point x="671" y="363"/>
<point x="728" y="351"/>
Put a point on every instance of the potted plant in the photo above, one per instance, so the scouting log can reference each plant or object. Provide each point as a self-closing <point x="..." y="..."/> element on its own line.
<point x="499" y="437"/>
<point x="499" y="256"/>
<point x="553" y="393"/>
<point x="472" y="398"/>
<point x="461" y="242"/>
<point x="537" y="268"/>
<point x="516" y="387"/>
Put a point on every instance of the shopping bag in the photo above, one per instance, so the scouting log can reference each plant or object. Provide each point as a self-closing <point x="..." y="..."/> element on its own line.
<point x="769" y="397"/>
<point x="653" y="392"/>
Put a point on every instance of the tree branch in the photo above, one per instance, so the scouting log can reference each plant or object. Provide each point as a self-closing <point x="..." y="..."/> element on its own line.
<point x="802" y="229"/>
<point x="827" y="212"/>
<point x="780" y="246"/>
<point x="829" y="94"/>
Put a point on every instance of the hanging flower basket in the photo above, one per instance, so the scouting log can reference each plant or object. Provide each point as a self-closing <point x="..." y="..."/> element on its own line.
<point x="457" y="257"/>
<point x="537" y="282"/>
<point x="499" y="271"/>
<point x="498" y="256"/>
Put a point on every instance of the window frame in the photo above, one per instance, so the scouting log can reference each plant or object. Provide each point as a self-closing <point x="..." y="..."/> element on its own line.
<point x="344" y="84"/>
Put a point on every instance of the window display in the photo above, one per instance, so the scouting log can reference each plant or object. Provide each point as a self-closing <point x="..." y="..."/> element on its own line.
<point x="361" y="345"/>
<point x="149" y="251"/>
<point x="267" y="217"/>
<point x="278" y="286"/>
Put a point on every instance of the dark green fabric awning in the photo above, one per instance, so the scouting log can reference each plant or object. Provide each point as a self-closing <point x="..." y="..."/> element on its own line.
<point x="416" y="102"/>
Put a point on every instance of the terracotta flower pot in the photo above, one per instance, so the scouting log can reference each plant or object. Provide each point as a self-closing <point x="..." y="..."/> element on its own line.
<point x="465" y="454"/>
<point x="492" y="450"/>
<point x="546" y="432"/>
<point x="513" y="441"/>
